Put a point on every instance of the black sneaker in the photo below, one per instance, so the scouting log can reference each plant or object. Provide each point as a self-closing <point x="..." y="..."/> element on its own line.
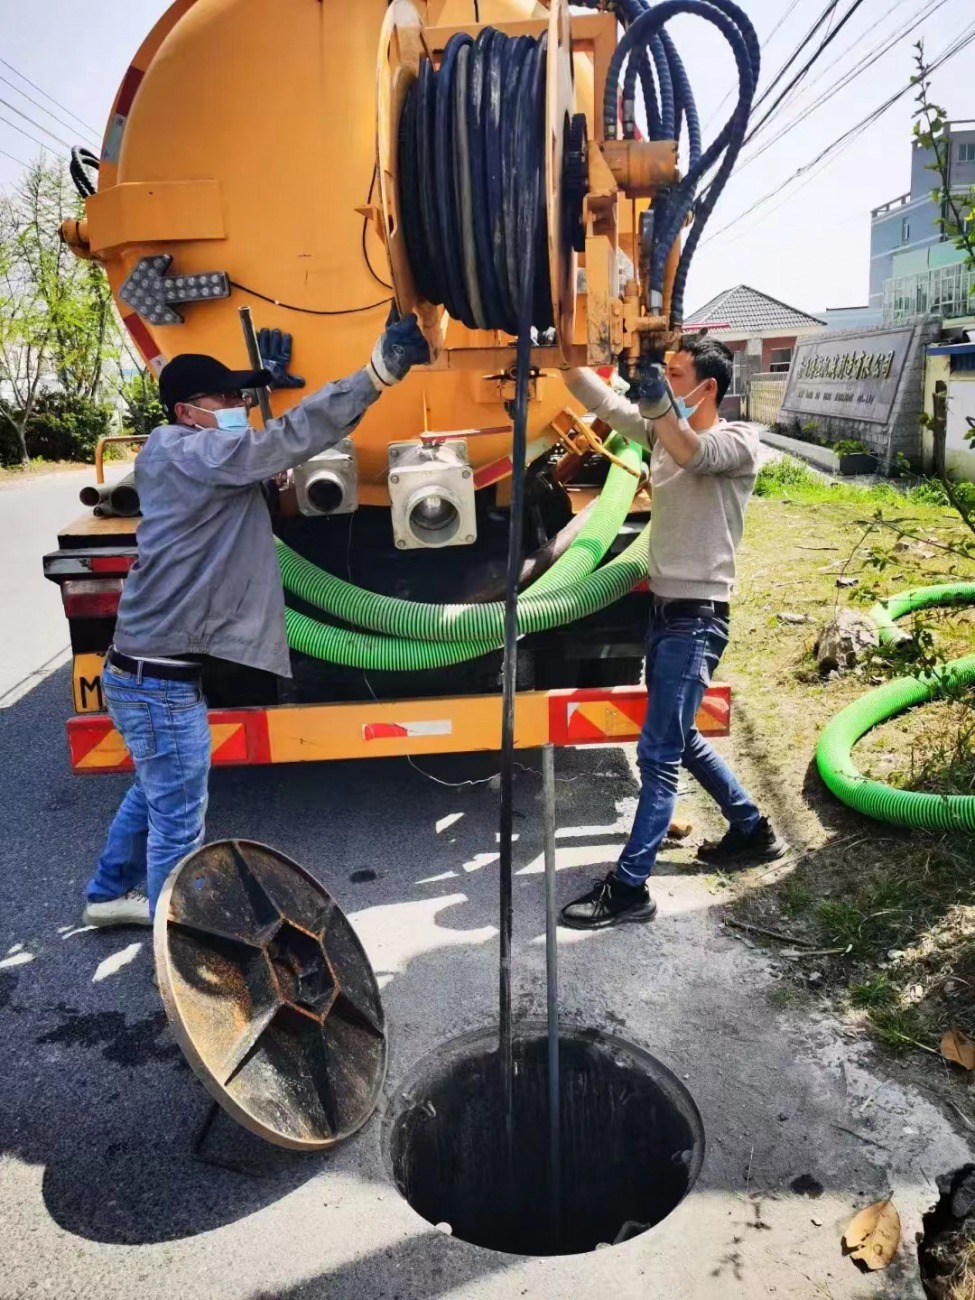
<point x="738" y="848"/>
<point x="609" y="902"/>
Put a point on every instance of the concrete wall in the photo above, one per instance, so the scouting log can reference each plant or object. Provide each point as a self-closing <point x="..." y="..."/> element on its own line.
<point x="768" y="346"/>
<point x="901" y="434"/>
<point x="959" y="455"/>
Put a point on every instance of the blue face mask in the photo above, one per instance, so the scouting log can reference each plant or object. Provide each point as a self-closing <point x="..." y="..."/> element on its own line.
<point x="231" y="419"/>
<point x="684" y="412"/>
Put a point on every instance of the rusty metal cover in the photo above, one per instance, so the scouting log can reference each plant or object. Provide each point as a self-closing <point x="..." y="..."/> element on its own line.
<point x="270" y="994"/>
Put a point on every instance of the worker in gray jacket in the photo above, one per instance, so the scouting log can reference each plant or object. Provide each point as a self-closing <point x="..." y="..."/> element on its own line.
<point x="702" y="472"/>
<point x="206" y="584"/>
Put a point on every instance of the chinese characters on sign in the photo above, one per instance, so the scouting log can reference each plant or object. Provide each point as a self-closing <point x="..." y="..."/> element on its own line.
<point x="848" y="378"/>
<point x="851" y="365"/>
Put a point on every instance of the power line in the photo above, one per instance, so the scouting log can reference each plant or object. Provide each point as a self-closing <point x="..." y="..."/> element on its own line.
<point x="831" y="5"/>
<point x="18" y="161"/>
<point x="847" y="50"/>
<point x="854" y="132"/>
<point x="805" y="68"/>
<point x="40" y="127"/>
<point x="866" y="61"/>
<point x="27" y="135"/>
<point x="731" y="90"/>
<point x="41" y="91"/>
<point x="38" y="104"/>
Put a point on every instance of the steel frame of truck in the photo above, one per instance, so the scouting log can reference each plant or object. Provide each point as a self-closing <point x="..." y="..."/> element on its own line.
<point x="90" y="567"/>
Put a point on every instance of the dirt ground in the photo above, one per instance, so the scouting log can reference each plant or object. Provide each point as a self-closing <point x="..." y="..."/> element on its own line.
<point x="875" y="921"/>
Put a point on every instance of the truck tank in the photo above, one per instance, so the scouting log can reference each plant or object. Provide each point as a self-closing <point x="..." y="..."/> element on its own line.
<point x="244" y="140"/>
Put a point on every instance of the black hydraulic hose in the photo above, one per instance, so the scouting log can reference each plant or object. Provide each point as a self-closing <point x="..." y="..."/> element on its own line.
<point x="81" y="160"/>
<point x="672" y="214"/>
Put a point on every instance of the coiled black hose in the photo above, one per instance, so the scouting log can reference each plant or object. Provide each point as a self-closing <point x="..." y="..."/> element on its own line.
<point x="83" y="160"/>
<point x="472" y="181"/>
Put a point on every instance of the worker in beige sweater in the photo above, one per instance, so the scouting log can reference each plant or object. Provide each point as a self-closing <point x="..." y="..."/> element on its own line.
<point x="702" y="472"/>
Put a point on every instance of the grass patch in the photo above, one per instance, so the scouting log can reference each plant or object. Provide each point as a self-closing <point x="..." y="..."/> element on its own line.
<point x="898" y="904"/>
<point x="789" y="479"/>
<point x="899" y="1028"/>
<point x="786" y="997"/>
<point x="877" y="991"/>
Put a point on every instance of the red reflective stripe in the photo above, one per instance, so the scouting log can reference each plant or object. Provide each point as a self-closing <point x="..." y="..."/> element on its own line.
<point x="127" y="92"/>
<point x="111" y="563"/>
<point x="141" y="337"/>
<point x="249" y="745"/>
<point x="91" y="604"/>
<point x="642" y="585"/>
<point x="383" y="731"/>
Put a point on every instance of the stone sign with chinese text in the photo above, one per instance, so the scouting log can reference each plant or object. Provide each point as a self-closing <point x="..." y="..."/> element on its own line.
<point x="848" y="378"/>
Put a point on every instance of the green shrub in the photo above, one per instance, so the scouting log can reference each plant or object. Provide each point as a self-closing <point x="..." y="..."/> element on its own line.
<point x="779" y="477"/>
<point x="143" y="409"/>
<point x="67" y="428"/>
<point x="849" y="447"/>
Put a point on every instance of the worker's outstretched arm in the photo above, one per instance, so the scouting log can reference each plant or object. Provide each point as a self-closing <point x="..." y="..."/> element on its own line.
<point x="598" y="397"/>
<point x="314" y="425"/>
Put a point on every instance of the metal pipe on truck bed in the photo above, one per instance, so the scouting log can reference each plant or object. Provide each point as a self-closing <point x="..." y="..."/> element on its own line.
<point x="118" y="501"/>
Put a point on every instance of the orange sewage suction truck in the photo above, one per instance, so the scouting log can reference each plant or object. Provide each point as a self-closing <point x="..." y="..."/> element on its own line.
<point x="252" y="160"/>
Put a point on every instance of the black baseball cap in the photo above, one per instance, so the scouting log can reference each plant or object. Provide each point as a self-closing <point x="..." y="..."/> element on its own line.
<point x="193" y="375"/>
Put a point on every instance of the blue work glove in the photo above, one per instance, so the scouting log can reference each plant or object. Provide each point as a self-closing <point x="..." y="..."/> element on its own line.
<point x="401" y="347"/>
<point x="652" y="392"/>
<point x="275" y="350"/>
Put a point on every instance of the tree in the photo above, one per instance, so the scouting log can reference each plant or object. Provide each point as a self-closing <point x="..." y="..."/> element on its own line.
<point x="25" y="326"/>
<point x="59" y="332"/>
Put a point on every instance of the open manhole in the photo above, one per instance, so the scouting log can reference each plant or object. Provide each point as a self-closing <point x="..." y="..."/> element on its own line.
<point x="632" y="1142"/>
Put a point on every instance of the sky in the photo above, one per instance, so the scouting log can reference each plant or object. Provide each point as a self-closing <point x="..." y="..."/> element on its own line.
<point x="808" y="246"/>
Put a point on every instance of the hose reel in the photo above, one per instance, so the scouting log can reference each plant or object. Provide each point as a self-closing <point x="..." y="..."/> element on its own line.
<point x="469" y="158"/>
<point x="607" y="191"/>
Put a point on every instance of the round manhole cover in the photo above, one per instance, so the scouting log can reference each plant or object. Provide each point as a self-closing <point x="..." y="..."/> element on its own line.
<point x="270" y="994"/>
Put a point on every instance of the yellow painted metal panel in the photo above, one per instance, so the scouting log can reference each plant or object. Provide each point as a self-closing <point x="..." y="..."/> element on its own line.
<point x="151" y="211"/>
<point x="444" y="726"/>
<point x="87" y="683"/>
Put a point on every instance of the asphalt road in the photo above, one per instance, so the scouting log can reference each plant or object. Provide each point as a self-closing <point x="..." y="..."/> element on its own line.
<point x="102" y="1192"/>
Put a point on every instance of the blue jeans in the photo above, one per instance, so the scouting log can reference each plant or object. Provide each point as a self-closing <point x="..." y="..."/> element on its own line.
<point x="164" y="724"/>
<point x="682" y="654"/>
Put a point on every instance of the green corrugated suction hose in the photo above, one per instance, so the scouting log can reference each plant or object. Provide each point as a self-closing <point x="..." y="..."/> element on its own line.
<point x="401" y="654"/>
<point x="834" y="754"/>
<point x="887" y="611"/>
<point x="476" y="623"/>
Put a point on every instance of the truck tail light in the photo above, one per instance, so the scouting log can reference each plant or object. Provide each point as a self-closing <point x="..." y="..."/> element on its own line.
<point x="91" y="598"/>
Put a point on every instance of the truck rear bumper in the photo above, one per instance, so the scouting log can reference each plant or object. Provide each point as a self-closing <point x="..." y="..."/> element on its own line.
<point x="394" y="729"/>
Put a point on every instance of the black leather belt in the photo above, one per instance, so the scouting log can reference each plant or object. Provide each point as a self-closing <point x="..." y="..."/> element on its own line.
<point x="694" y="608"/>
<point x="166" y="672"/>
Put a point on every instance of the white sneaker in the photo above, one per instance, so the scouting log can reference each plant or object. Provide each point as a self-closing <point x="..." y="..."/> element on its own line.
<point x="131" y="909"/>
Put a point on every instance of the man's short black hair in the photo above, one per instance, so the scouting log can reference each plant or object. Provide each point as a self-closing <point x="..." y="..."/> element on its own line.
<point x="712" y="360"/>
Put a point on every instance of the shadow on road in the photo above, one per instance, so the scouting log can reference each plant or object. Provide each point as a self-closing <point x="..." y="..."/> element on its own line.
<point x="96" y="1092"/>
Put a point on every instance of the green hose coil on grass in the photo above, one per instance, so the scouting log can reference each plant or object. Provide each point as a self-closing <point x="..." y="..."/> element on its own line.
<point x="834" y="754"/>
<point x="376" y="653"/>
<point x="476" y="623"/>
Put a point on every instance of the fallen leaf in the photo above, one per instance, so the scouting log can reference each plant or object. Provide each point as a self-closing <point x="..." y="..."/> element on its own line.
<point x="958" y="1047"/>
<point x="873" y="1235"/>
